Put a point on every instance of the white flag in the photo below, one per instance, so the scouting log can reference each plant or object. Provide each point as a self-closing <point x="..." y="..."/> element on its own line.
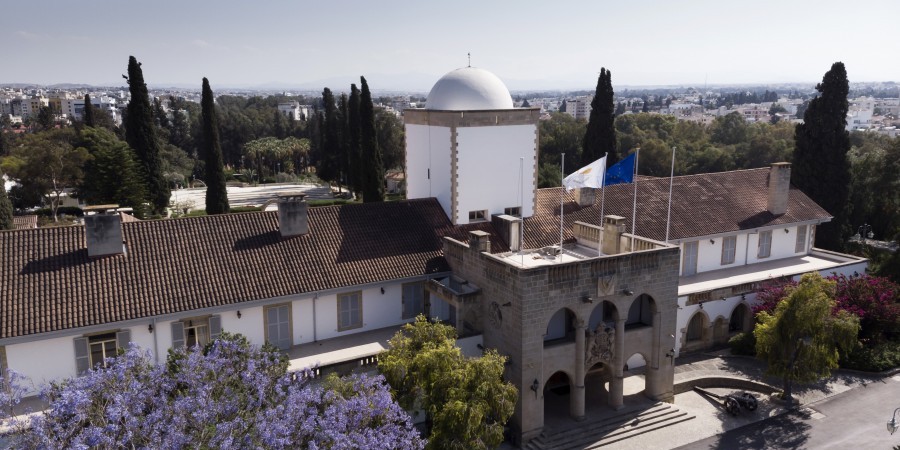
<point x="590" y="175"/>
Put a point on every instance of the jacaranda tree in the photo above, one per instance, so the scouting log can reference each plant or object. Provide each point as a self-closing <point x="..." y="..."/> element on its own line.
<point x="228" y="395"/>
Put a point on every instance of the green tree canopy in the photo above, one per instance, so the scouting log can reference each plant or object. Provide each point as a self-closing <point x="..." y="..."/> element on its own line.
<point x="600" y="136"/>
<point x="466" y="401"/>
<point x="111" y="173"/>
<point x="373" y="174"/>
<point x="820" y="166"/>
<point x="140" y="132"/>
<point x="46" y="164"/>
<point x="801" y="340"/>
<point x="6" y="209"/>
<point x="214" y="174"/>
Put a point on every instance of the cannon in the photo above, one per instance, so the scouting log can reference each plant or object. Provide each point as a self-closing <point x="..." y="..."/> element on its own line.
<point x="733" y="402"/>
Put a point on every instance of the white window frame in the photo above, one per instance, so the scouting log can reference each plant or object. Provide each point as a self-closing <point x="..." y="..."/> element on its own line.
<point x="800" y="245"/>
<point x="412" y="307"/>
<point x="689" y="258"/>
<point x="515" y="211"/>
<point x="277" y="328"/>
<point x="347" y="303"/>
<point x="180" y="330"/>
<point x="478" y="215"/>
<point x="764" y="246"/>
<point x="84" y="354"/>
<point x="729" y="249"/>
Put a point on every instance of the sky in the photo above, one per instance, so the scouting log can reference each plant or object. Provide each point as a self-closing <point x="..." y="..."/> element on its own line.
<point x="408" y="45"/>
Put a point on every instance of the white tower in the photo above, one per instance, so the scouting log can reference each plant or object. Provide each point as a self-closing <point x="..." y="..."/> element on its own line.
<point x="464" y="148"/>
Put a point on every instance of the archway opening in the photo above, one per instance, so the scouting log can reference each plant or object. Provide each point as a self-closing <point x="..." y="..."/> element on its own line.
<point x="640" y="314"/>
<point x="740" y="319"/>
<point x="557" y="398"/>
<point x="596" y="385"/>
<point x="560" y="328"/>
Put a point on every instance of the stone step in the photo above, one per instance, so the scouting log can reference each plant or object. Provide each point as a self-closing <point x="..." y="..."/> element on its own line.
<point x="601" y="432"/>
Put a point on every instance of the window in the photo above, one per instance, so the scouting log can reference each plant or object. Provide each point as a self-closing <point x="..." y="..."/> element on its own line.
<point x="513" y="211"/>
<point x="92" y="351"/>
<point x="765" y="244"/>
<point x="477" y="215"/>
<point x="695" y="328"/>
<point x="278" y="326"/>
<point x="413" y="300"/>
<point x="689" y="259"/>
<point x="196" y="331"/>
<point x="349" y="311"/>
<point x="729" y="246"/>
<point x="800" y="246"/>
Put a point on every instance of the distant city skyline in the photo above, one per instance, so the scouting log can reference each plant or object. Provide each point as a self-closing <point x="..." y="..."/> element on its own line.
<point x="409" y="44"/>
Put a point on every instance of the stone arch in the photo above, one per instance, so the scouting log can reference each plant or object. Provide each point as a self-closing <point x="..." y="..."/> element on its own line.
<point x="641" y="311"/>
<point x="636" y="363"/>
<point x="561" y="326"/>
<point x="698" y="332"/>
<point x="605" y="312"/>
<point x="596" y="384"/>
<point x="740" y="319"/>
<point x="556" y="394"/>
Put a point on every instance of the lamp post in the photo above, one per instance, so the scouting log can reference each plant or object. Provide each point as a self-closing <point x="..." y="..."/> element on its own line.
<point x="892" y="424"/>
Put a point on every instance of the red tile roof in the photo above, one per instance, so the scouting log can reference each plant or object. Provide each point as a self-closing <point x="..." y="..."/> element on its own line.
<point x="178" y="265"/>
<point x="702" y="205"/>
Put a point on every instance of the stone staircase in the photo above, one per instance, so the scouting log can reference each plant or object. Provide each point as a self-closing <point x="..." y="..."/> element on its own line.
<point x="600" y="432"/>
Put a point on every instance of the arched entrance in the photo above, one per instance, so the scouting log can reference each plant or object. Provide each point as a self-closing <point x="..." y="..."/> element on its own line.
<point x="635" y="369"/>
<point x="557" y="397"/>
<point x="596" y="386"/>
<point x="698" y="334"/>
<point x="740" y="319"/>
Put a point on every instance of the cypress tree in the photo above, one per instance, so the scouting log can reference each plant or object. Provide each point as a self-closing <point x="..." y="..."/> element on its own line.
<point x="373" y="167"/>
<point x="600" y="136"/>
<point x="327" y="166"/>
<point x="214" y="176"/>
<point x="820" y="166"/>
<point x="88" y="114"/>
<point x="343" y="141"/>
<point x="6" y="209"/>
<point x="356" y="165"/>
<point x="140" y="133"/>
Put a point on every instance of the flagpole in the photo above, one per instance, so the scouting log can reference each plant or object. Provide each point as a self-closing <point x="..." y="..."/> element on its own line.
<point x="602" y="201"/>
<point x="671" y="178"/>
<point x="562" y="193"/>
<point x="637" y="155"/>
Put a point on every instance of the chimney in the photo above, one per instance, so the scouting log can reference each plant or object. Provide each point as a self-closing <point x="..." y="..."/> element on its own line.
<point x="613" y="227"/>
<point x="509" y="228"/>
<point x="293" y="215"/>
<point x="779" y="187"/>
<point x="480" y="241"/>
<point x="103" y="231"/>
<point x="584" y="196"/>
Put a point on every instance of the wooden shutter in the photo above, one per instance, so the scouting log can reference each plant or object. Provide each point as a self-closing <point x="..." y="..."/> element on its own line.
<point x="82" y="356"/>
<point x="177" y="335"/>
<point x="123" y="338"/>
<point x="215" y="327"/>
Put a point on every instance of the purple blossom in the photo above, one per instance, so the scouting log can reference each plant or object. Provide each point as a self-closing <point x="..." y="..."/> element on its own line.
<point x="229" y="395"/>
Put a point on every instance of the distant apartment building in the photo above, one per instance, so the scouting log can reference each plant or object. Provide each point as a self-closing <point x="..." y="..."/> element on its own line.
<point x="580" y="107"/>
<point x="294" y="110"/>
<point x="31" y="106"/>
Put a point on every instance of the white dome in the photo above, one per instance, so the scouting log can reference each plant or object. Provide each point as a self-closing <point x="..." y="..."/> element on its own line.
<point x="468" y="89"/>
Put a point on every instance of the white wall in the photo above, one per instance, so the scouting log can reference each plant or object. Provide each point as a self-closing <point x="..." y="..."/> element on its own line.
<point x="783" y="246"/>
<point x="488" y="169"/>
<point x="428" y="147"/>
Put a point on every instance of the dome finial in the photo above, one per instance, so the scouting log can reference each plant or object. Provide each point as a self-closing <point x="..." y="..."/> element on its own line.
<point x="470" y="59"/>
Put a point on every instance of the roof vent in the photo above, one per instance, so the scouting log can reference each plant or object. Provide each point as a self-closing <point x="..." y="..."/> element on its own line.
<point x="103" y="231"/>
<point x="293" y="215"/>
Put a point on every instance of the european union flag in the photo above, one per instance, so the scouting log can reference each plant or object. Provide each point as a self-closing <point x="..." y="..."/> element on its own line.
<point x="621" y="172"/>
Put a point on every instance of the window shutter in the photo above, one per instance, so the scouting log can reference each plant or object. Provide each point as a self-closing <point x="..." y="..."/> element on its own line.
<point x="215" y="327"/>
<point x="177" y="334"/>
<point x="123" y="338"/>
<point x="82" y="359"/>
